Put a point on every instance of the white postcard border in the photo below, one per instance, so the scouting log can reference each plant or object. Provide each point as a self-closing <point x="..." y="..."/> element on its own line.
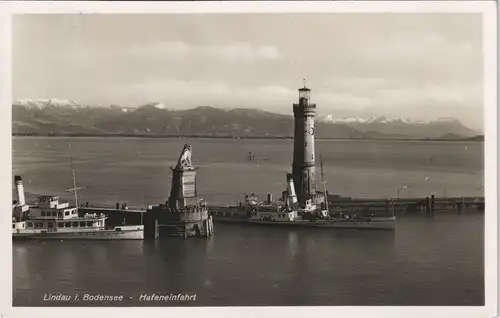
<point x="491" y="151"/>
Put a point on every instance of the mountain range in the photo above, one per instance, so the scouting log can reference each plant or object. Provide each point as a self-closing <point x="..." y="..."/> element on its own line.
<point x="64" y="117"/>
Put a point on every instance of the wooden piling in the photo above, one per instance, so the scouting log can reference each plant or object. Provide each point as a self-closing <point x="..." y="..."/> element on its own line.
<point x="212" y="228"/>
<point x="427" y="206"/>
<point x="433" y="204"/>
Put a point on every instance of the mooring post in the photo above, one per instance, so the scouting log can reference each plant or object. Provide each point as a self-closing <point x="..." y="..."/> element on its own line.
<point x="427" y="206"/>
<point x="210" y="225"/>
<point x="157" y="234"/>
<point x="433" y="204"/>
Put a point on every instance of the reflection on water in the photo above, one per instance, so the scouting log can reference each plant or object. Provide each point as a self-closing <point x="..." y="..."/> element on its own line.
<point x="292" y="245"/>
<point x="441" y="262"/>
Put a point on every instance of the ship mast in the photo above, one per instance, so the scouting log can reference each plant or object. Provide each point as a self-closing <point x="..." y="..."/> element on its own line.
<point x="74" y="189"/>
<point x="142" y="208"/>
<point x="324" y="182"/>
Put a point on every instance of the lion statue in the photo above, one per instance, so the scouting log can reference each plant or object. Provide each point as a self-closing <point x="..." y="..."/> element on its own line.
<point x="185" y="158"/>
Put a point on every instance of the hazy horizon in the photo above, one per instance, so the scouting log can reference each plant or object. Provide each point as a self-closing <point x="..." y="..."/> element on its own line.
<point x="420" y="66"/>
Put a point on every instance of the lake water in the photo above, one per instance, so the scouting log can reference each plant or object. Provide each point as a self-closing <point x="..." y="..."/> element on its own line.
<point x="426" y="261"/>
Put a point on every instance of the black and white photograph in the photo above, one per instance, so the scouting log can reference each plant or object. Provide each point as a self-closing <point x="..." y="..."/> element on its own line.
<point x="315" y="157"/>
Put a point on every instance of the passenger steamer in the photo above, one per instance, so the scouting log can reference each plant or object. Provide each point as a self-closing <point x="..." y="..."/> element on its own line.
<point x="287" y="212"/>
<point x="52" y="219"/>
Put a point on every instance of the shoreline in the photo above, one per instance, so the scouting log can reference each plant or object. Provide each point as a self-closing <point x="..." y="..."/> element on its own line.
<point x="235" y="137"/>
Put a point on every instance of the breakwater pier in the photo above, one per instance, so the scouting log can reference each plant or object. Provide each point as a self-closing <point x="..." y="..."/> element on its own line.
<point x="420" y="206"/>
<point x="426" y="205"/>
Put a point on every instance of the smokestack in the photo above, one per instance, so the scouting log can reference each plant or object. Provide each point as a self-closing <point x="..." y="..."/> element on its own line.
<point x="20" y="190"/>
<point x="291" y="188"/>
<point x="269" y="198"/>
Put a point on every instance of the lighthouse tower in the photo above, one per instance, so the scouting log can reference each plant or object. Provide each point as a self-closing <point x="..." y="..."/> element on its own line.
<point x="303" y="168"/>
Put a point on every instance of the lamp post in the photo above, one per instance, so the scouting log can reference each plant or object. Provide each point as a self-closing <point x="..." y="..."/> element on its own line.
<point x="404" y="186"/>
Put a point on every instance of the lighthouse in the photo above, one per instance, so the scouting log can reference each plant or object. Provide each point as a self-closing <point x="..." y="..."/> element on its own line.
<point x="303" y="167"/>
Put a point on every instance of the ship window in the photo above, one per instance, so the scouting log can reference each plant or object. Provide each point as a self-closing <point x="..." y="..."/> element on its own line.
<point x="59" y="214"/>
<point x="67" y="224"/>
<point x="75" y="224"/>
<point x="74" y="212"/>
<point x="43" y="213"/>
<point x="30" y="224"/>
<point x="54" y="213"/>
<point x="82" y="224"/>
<point x="66" y="213"/>
<point x="13" y="226"/>
<point x="89" y="223"/>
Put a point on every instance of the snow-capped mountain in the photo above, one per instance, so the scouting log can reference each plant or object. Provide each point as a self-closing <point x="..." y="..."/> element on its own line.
<point x="400" y="126"/>
<point x="159" y="106"/>
<point x="382" y="120"/>
<point x="41" y="103"/>
<point x="58" y="116"/>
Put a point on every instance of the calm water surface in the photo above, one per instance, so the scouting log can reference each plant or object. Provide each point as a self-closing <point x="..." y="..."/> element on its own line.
<point x="436" y="261"/>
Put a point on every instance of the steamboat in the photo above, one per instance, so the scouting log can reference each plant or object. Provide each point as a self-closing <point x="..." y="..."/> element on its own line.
<point x="288" y="212"/>
<point x="50" y="218"/>
<point x="301" y="204"/>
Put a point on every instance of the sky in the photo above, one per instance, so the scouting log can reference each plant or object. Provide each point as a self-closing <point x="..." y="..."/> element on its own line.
<point x="420" y="66"/>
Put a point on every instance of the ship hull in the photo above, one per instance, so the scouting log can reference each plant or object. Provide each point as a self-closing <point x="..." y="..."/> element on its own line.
<point x="129" y="233"/>
<point x="381" y="224"/>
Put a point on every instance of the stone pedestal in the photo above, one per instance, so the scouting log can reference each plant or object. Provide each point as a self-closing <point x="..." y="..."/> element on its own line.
<point x="183" y="191"/>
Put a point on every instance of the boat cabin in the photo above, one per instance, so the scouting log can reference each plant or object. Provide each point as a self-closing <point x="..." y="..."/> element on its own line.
<point x="52" y="215"/>
<point x="49" y="207"/>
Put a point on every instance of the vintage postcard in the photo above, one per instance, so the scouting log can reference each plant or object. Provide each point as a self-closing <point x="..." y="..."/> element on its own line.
<point x="256" y="159"/>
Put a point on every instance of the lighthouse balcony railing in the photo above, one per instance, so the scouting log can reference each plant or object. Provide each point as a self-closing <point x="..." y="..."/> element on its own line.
<point x="298" y="106"/>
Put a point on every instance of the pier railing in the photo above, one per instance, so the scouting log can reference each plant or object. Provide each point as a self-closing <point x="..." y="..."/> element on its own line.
<point x="408" y="204"/>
